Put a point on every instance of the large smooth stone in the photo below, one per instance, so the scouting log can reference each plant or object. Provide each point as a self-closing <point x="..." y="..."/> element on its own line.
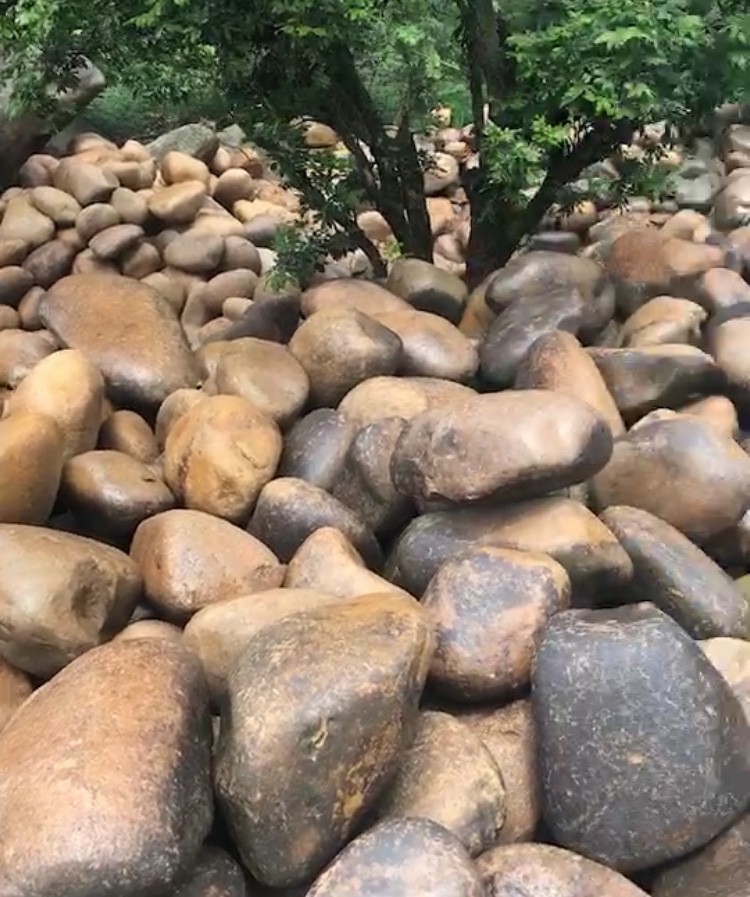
<point x="60" y="596"/>
<point x="142" y="351"/>
<point x="15" y="688"/>
<point x="731" y="657"/>
<point x="190" y="560"/>
<point x="681" y="471"/>
<point x="360" y="295"/>
<point x="558" y="362"/>
<point x="20" y="351"/>
<point x="31" y="462"/>
<point x="676" y="576"/>
<point x="337" y="737"/>
<point x="560" y="527"/>
<point x="219" y="454"/>
<point x="722" y="869"/>
<point x="219" y="633"/>
<point x="641" y="380"/>
<point x="728" y="340"/>
<point x="448" y="775"/>
<point x="289" y="510"/>
<point x="509" y="733"/>
<point x="488" y="608"/>
<point x="663" y="319"/>
<point x="516" y="329"/>
<point x="405" y="397"/>
<point x="401" y="858"/>
<point x="316" y="446"/>
<point x="428" y="288"/>
<point x="542" y="870"/>
<point x="124" y="804"/>
<point x="549" y="441"/>
<point x="665" y="768"/>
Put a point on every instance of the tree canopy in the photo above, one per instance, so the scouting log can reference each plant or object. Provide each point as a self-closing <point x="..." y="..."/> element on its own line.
<point x="550" y="87"/>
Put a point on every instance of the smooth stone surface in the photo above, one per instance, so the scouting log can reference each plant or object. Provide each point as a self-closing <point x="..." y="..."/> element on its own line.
<point x="680" y="471"/>
<point x="360" y="295"/>
<point x="664" y="319"/>
<point x="125" y="801"/>
<point x="215" y="874"/>
<point x="488" y="608"/>
<point x="15" y="688"/>
<point x="666" y="767"/>
<point x="560" y="527"/>
<point x="60" y="596"/>
<point x="142" y="351"/>
<point x="316" y="446"/>
<point x="549" y="441"/>
<point x="448" y="775"/>
<point x="190" y="560"/>
<point x="338" y="738"/>
<point x="731" y="657"/>
<point x="543" y="870"/>
<point x="675" y="575"/>
<point x="401" y="858"/>
<point x="289" y="510"/>
<point x="428" y="288"/>
<point x="32" y="458"/>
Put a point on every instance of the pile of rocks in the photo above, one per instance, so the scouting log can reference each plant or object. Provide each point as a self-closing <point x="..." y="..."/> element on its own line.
<point x="377" y="588"/>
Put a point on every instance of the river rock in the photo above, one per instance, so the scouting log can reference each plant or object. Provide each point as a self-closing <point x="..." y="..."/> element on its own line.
<point x="432" y="346"/>
<point x="179" y="203"/>
<point x="681" y="471"/>
<point x="676" y="576"/>
<point x="219" y="633"/>
<point x="664" y="319"/>
<point x="358" y="295"/>
<point x="61" y="207"/>
<point x="517" y="327"/>
<point x="549" y="441"/>
<point x="127" y="432"/>
<point x="404" y="397"/>
<point x="15" y="282"/>
<point x="142" y="352"/>
<point x="557" y="361"/>
<point x="31" y="457"/>
<point x="667" y="766"/>
<point x="543" y="870"/>
<point x="428" y="288"/>
<point x="219" y="454"/>
<point x="721" y="869"/>
<point x="717" y="412"/>
<point x="67" y="388"/>
<point x="340" y="348"/>
<point x="732" y="204"/>
<point x="190" y="560"/>
<point x="316" y="446"/>
<point x="49" y="263"/>
<point x="109" y="493"/>
<point x="22" y="222"/>
<point x="731" y="657"/>
<point x="60" y="596"/>
<point x="509" y="734"/>
<point x="266" y="374"/>
<point x="326" y="561"/>
<point x="728" y="341"/>
<point x="20" y="352"/>
<point x="560" y="527"/>
<point x="125" y="801"/>
<point x="448" y="775"/>
<point x="87" y="183"/>
<point x="288" y="510"/>
<point x="401" y="858"/>
<point x="488" y="608"/>
<point x="338" y="738"/>
<point x="215" y="874"/>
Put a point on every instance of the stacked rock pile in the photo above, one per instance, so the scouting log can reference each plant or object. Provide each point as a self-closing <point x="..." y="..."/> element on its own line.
<point x="372" y="589"/>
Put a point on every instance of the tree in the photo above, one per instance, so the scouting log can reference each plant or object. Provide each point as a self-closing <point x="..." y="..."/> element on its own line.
<point x="553" y="86"/>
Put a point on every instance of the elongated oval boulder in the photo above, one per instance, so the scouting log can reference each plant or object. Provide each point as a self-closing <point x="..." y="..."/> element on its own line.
<point x="548" y="440"/>
<point x="31" y="459"/>
<point x="681" y="471"/>
<point x="447" y="775"/>
<point x="191" y="560"/>
<point x="542" y="870"/>
<point x="125" y="800"/>
<point x="489" y="607"/>
<point x="560" y="527"/>
<point x="315" y="447"/>
<point x="350" y="293"/>
<point x="337" y="737"/>
<point x="665" y="768"/>
<point x="60" y="596"/>
<point x="15" y="688"/>
<point x="140" y="348"/>
<point x="401" y="858"/>
<point x="676" y="576"/>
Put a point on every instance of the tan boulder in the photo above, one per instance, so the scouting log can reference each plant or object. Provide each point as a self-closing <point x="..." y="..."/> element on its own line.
<point x="191" y="560"/>
<point x="133" y="774"/>
<point x="361" y="295"/>
<point x="177" y="167"/>
<point x="48" y="263"/>
<point x="427" y="288"/>
<point x="31" y="461"/>
<point x="20" y="352"/>
<point x="60" y="596"/>
<point x="125" y="431"/>
<point x="61" y="207"/>
<point x="23" y="222"/>
<point x="179" y="203"/>
<point x="112" y="243"/>
<point x="67" y="388"/>
<point x="87" y="183"/>
<point x="130" y="206"/>
<point x="664" y="319"/>
<point x="15" y="688"/>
